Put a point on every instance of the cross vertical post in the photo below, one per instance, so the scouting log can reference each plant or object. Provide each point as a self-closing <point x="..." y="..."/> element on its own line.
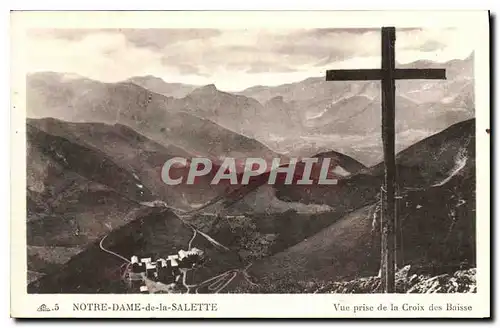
<point x="388" y="140"/>
<point x="387" y="74"/>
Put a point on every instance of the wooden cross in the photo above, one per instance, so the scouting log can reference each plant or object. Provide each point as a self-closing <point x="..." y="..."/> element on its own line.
<point x="387" y="74"/>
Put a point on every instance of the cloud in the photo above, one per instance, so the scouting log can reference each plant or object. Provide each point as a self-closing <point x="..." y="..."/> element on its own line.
<point x="102" y="56"/>
<point x="65" y="34"/>
<point x="232" y="59"/>
<point x="432" y="45"/>
<point x="155" y="39"/>
<point x="263" y="67"/>
<point x="158" y="39"/>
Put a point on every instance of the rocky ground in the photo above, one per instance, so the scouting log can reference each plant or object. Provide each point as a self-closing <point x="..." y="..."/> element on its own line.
<point x="461" y="281"/>
<point x="408" y="280"/>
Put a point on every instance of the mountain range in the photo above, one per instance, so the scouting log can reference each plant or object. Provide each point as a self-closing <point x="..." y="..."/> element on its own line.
<point x="85" y="180"/>
<point x="83" y="100"/>
<point x="95" y="152"/>
<point x="74" y="203"/>
<point x="296" y="119"/>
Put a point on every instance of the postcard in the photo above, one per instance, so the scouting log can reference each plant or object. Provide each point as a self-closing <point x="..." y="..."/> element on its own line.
<point x="205" y="164"/>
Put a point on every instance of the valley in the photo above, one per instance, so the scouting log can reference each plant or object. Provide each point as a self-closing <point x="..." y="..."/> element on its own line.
<point x="95" y="152"/>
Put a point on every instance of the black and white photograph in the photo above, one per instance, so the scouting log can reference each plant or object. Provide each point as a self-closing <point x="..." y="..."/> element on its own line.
<point x="252" y="160"/>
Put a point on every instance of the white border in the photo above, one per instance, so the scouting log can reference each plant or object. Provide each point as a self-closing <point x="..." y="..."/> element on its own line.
<point x="24" y="305"/>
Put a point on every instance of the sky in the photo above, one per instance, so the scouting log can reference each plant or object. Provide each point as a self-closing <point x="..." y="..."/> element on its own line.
<point x="231" y="59"/>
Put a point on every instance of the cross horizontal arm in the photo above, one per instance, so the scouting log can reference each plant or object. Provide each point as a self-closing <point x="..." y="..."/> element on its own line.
<point x="415" y="74"/>
<point x="353" y="74"/>
<point x="376" y="74"/>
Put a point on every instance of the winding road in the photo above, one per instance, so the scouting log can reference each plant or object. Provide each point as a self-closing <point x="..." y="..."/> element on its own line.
<point x="214" y="284"/>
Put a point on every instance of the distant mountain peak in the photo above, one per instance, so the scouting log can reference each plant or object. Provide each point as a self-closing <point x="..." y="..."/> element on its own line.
<point x="159" y="85"/>
<point x="145" y="77"/>
<point x="207" y="89"/>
